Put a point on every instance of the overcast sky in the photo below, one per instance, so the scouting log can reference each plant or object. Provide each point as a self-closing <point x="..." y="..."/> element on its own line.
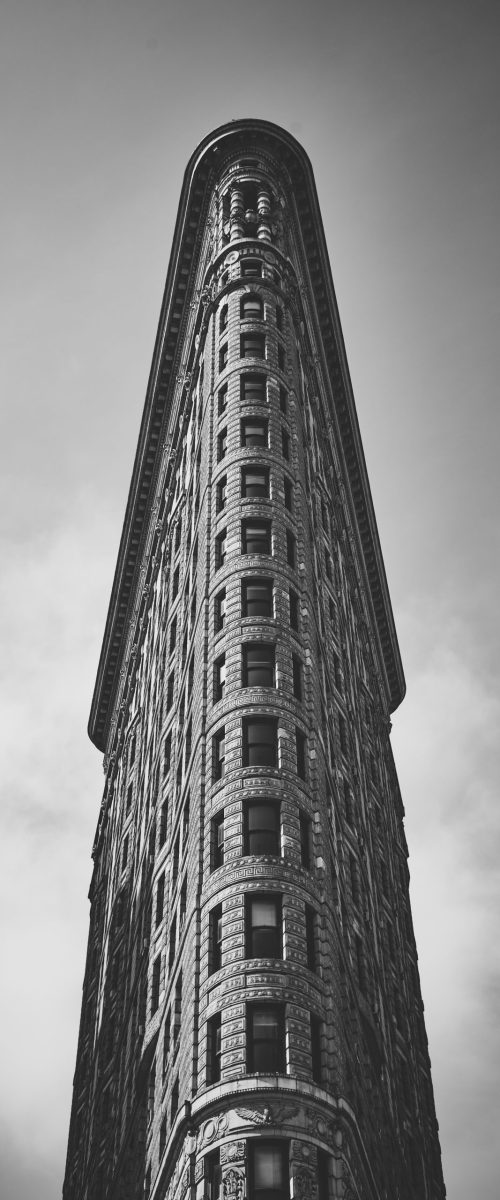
<point x="396" y="103"/>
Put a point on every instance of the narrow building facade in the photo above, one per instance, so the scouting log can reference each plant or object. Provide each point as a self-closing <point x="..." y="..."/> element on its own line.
<point x="252" y="1025"/>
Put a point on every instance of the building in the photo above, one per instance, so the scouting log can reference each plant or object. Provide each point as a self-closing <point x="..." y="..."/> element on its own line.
<point x="252" y="1025"/>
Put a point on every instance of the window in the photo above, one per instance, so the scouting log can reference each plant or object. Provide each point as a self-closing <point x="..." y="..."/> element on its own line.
<point x="160" y="894"/>
<point x="130" y="793"/>
<point x="254" y="432"/>
<point x="166" y="1046"/>
<point x="219" y="754"/>
<point x="178" y="1008"/>
<point x="288" y="489"/>
<point x="283" y="401"/>
<point x="281" y="358"/>
<point x="257" y="598"/>
<point x="163" y="1135"/>
<point x="175" y="583"/>
<point x="297" y="677"/>
<point x="305" y="840"/>
<point x="316" y="1048"/>
<point x="279" y="319"/>
<point x="290" y="548"/>
<point x="252" y="345"/>
<point x="174" y="1102"/>
<point x="219" y="678"/>
<point x="213" y="1176"/>
<point x="260" y="742"/>
<point x="311" y="938"/>
<point x="220" y="611"/>
<point x="221" y="445"/>
<point x="254" y="482"/>
<point x="170" y="690"/>
<point x="221" y="493"/>
<point x="285" y="444"/>
<point x="323" y="1175"/>
<point x="223" y="357"/>
<point x="220" y="549"/>
<point x="251" y="268"/>
<point x="222" y="400"/>
<point x="258" y="665"/>
<point x="250" y="306"/>
<point x="223" y="319"/>
<point x="256" y="537"/>
<point x="293" y="601"/>
<point x="263" y="927"/>
<point x="172" y="943"/>
<point x="213" y="1048"/>
<point x="269" y="1172"/>
<point x="155" y="984"/>
<point x="215" y="940"/>
<point x="124" y="853"/>
<point x="253" y="389"/>
<point x="151" y="1092"/>
<point x="217" y="841"/>
<point x="163" y="824"/>
<point x="300" y="746"/>
<point x="262" y="827"/>
<point x="183" y="901"/>
<point x="173" y="636"/>
<point x="265" y="1038"/>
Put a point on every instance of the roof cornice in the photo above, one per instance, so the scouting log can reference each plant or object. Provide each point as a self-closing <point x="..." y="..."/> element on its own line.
<point x="196" y="186"/>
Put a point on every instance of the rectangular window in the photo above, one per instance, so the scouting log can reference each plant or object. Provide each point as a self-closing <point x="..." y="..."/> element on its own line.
<point x="160" y="894"/>
<point x="317" y="1073"/>
<point x="293" y="601"/>
<point x="263" y="927"/>
<point x="220" y="549"/>
<point x="288" y="489"/>
<point x="213" y="1176"/>
<point x="283" y="401"/>
<point x="223" y="357"/>
<point x="173" y="636"/>
<point x="166" y="1046"/>
<point x="262" y="827"/>
<point x="223" y="319"/>
<point x="305" y="840"/>
<point x="250" y="307"/>
<point x="183" y="902"/>
<point x="124" y="853"/>
<point x="279" y="318"/>
<point x="220" y="611"/>
<point x="174" y="1102"/>
<point x="323" y="1175"/>
<point x="254" y="482"/>
<point x="260" y="742"/>
<point x="252" y="345"/>
<point x="290" y="548"/>
<point x="214" y="1041"/>
<point x="217" y="841"/>
<point x="258" y="665"/>
<point x="266" y="1038"/>
<point x="253" y="389"/>
<point x="222" y="400"/>
<point x="219" y="754"/>
<point x="222" y="444"/>
<point x="268" y="1170"/>
<point x="251" y="268"/>
<point x="300" y="746"/>
<point x="170" y="690"/>
<point x="257" y="598"/>
<point x="175" y="583"/>
<point x="311" y="938"/>
<point x="130" y="793"/>
<point x="155" y="984"/>
<point x="285" y="444"/>
<point x="219" y="678"/>
<point x="254" y="432"/>
<point x="281" y="358"/>
<point x="215" y="940"/>
<point x="297" y="677"/>
<point x="221" y="493"/>
<point x="256" y="537"/>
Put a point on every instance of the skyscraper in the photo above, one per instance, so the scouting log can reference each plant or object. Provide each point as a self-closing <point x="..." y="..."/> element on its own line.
<point x="252" y="1025"/>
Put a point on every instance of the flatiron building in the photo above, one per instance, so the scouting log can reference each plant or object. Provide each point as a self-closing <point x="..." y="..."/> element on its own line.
<point x="252" y="1025"/>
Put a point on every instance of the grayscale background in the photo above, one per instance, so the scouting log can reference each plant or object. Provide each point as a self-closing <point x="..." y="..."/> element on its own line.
<point x="397" y="105"/>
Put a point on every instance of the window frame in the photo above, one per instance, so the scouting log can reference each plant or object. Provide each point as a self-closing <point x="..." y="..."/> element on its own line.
<point x="266" y="664"/>
<point x="278" y="1011"/>
<point x="268" y="806"/>
<point x="256" y="470"/>
<point x="264" y="940"/>
<point x="266" y="585"/>
<point x="262" y="528"/>
<point x="258" y="441"/>
<point x="272" y="742"/>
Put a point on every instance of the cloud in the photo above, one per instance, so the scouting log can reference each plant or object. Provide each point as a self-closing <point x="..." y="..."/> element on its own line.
<point x="447" y="754"/>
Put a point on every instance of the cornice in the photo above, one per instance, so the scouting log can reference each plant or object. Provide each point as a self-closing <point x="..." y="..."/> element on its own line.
<point x="212" y="155"/>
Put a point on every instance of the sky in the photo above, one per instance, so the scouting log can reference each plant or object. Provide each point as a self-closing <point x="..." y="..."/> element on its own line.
<point x="397" y="106"/>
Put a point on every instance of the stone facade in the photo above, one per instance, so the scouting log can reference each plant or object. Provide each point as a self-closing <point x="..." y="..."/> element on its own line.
<point x="252" y="1026"/>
